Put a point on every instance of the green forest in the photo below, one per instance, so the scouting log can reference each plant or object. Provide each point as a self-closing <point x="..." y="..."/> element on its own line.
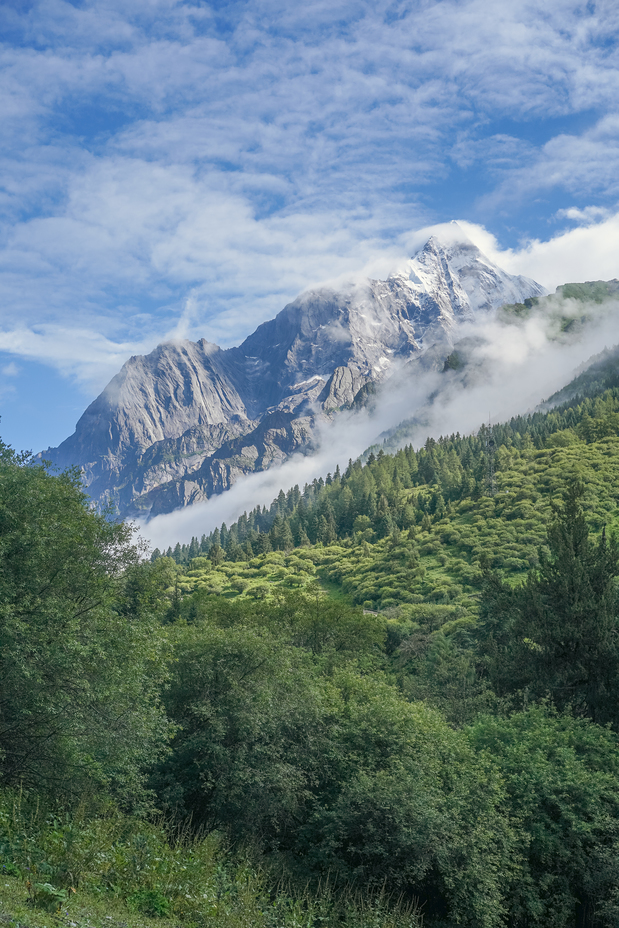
<point x="391" y="699"/>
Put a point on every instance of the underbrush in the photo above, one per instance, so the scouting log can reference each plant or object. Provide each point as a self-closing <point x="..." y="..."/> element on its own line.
<point x="74" y="868"/>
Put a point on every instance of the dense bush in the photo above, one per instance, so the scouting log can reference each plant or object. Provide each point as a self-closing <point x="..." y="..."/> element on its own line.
<point x="81" y="647"/>
<point x="68" y="860"/>
<point x="562" y="781"/>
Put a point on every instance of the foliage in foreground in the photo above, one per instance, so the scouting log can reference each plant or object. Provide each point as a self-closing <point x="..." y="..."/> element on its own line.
<point x="82" y="653"/>
<point x="444" y="747"/>
<point x="69" y="864"/>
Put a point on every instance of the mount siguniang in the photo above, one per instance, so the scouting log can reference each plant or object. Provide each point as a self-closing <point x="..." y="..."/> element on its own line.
<point x="182" y="423"/>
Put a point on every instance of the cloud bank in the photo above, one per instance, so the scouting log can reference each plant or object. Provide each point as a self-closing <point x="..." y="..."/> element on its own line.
<point x="512" y="369"/>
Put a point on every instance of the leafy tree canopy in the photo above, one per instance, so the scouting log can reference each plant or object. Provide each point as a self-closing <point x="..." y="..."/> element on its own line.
<point x="81" y="650"/>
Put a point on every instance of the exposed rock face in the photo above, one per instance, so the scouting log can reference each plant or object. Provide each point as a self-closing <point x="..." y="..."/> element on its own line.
<point x="184" y="422"/>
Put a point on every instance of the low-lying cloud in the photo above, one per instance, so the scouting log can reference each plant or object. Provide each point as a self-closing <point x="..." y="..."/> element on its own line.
<point x="511" y="369"/>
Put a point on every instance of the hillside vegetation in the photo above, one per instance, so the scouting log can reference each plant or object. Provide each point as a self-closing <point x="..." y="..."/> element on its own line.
<point x="417" y="526"/>
<point x="391" y="698"/>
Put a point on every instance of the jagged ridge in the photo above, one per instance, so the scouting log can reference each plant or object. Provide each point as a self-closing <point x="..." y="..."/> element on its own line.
<point x="184" y="422"/>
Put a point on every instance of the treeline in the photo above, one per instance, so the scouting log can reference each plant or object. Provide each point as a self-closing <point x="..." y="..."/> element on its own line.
<point x="367" y="496"/>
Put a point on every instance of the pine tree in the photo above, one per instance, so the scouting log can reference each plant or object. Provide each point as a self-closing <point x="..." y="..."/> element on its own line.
<point x="285" y="537"/>
<point x="304" y="541"/>
<point x="194" y="548"/>
<point x="330" y="535"/>
<point x="264" y="543"/>
<point x="558" y="634"/>
<point x="322" y="530"/>
<point x="248" y="549"/>
<point x="223" y="535"/>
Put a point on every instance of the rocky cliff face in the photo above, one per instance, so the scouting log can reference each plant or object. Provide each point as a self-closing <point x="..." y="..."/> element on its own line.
<point x="184" y="422"/>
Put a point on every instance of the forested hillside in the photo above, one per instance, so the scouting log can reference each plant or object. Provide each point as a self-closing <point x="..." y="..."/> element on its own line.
<point x="418" y="525"/>
<point x="392" y="698"/>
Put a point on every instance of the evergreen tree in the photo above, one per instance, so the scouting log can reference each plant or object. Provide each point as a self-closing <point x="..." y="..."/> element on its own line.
<point x="303" y="539"/>
<point x="558" y="634"/>
<point x="264" y="543"/>
<point x="223" y="535"/>
<point x="248" y="549"/>
<point x="285" y="538"/>
<point x="194" y="548"/>
<point x="330" y="535"/>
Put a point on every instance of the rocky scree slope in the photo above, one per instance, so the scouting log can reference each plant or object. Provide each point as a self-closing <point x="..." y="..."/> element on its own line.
<point x="184" y="422"/>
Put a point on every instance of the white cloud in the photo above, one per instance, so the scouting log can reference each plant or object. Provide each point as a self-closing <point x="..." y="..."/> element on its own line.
<point x="583" y="164"/>
<point x="168" y="168"/>
<point x="588" y="252"/>
<point x="588" y="215"/>
<point x="85" y="354"/>
<point x="520" y="367"/>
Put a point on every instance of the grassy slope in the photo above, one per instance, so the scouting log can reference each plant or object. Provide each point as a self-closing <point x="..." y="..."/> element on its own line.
<point x="439" y="562"/>
<point x="87" y="911"/>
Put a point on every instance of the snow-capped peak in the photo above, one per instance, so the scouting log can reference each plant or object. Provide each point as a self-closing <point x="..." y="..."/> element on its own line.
<point x="454" y="265"/>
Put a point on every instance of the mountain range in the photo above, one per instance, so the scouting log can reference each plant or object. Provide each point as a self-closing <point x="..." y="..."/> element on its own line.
<point x="182" y="423"/>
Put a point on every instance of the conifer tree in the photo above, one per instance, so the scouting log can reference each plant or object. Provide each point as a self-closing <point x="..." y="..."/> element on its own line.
<point x="194" y="548"/>
<point x="303" y="539"/>
<point x="264" y="543"/>
<point x="285" y="538"/>
<point x="558" y="634"/>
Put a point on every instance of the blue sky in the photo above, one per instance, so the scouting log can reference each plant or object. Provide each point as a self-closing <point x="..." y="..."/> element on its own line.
<point x="184" y="169"/>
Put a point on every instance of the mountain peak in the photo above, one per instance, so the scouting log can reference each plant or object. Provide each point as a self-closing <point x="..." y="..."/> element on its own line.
<point x="185" y="421"/>
<point x="478" y="283"/>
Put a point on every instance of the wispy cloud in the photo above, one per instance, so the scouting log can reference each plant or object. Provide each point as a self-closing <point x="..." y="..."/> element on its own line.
<point x="584" y="164"/>
<point x="587" y="216"/>
<point x="233" y="155"/>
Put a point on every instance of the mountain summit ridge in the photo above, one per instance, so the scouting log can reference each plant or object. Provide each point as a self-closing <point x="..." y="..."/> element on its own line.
<point x="185" y="421"/>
